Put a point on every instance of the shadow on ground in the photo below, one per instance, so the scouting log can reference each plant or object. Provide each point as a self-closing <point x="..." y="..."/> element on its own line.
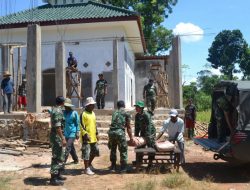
<point x="218" y="172"/>
<point x="36" y="181"/>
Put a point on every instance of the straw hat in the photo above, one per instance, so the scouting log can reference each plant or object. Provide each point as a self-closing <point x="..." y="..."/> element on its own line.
<point x="89" y="101"/>
<point x="68" y="103"/>
<point x="6" y="73"/>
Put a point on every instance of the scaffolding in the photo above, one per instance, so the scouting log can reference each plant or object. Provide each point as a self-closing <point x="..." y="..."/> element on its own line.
<point x="161" y="79"/>
<point x="74" y="85"/>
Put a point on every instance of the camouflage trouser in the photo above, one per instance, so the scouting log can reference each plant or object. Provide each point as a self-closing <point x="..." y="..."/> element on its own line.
<point x="151" y="103"/>
<point x="118" y="139"/>
<point x="57" y="158"/>
<point x="100" y="101"/>
<point x="221" y="132"/>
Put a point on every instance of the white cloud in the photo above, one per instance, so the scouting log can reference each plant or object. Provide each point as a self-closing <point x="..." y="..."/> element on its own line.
<point x="188" y="32"/>
<point x="215" y="71"/>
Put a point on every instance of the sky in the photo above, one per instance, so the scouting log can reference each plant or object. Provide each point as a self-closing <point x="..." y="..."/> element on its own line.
<point x="196" y="21"/>
<point x="206" y="18"/>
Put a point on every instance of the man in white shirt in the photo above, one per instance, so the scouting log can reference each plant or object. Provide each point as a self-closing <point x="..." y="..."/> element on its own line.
<point x="174" y="126"/>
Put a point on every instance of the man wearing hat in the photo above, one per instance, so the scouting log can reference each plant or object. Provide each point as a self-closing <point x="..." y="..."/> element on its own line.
<point x="149" y="94"/>
<point x="57" y="142"/>
<point x="71" y="129"/>
<point x="7" y="89"/>
<point x="22" y="92"/>
<point x="144" y="126"/>
<point x="101" y="91"/>
<point x="174" y="126"/>
<point x="89" y="135"/>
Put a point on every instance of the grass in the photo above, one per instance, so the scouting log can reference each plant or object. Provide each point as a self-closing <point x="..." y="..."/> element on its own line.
<point x="175" y="180"/>
<point x="184" y="182"/>
<point x="4" y="183"/>
<point x="144" y="185"/>
<point x="203" y="116"/>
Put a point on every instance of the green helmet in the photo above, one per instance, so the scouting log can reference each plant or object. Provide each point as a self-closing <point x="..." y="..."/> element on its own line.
<point x="140" y="104"/>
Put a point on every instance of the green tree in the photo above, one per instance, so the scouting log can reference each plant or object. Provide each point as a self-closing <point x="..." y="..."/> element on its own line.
<point x="153" y="12"/>
<point x="189" y="91"/>
<point x="206" y="81"/>
<point x="226" y="51"/>
<point x="245" y="63"/>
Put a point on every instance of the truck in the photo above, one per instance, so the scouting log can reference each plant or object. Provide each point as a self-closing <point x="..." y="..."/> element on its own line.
<point x="235" y="145"/>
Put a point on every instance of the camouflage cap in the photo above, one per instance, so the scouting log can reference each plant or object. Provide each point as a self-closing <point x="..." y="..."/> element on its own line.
<point x="140" y="104"/>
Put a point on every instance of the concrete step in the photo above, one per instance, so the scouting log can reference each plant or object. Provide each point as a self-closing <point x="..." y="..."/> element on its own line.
<point x="106" y="124"/>
<point x="105" y="129"/>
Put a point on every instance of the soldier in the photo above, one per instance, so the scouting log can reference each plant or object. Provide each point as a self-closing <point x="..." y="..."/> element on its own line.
<point x="101" y="91"/>
<point x="117" y="136"/>
<point x="190" y="116"/>
<point x="57" y="141"/>
<point x="144" y="126"/>
<point x="223" y="114"/>
<point x="72" y="62"/>
<point x="150" y="93"/>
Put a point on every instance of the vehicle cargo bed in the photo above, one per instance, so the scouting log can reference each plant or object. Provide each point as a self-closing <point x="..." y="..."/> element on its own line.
<point x="209" y="144"/>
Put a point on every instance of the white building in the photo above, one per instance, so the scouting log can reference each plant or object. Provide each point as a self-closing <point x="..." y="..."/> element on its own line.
<point x="88" y="29"/>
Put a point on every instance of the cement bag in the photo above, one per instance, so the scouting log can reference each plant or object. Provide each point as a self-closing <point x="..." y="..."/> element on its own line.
<point x="138" y="141"/>
<point x="164" y="146"/>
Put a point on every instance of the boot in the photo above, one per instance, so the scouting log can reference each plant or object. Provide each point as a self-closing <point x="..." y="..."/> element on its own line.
<point x="54" y="181"/>
<point x="60" y="177"/>
<point x="124" y="168"/>
<point x="112" y="167"/>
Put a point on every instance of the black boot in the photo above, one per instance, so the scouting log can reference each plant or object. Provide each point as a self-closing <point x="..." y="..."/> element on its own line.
<point x="54" y="181"/>
<point x="60" y="177"/>
<point x="124" y="168"/>
<point x="113" y="167"/>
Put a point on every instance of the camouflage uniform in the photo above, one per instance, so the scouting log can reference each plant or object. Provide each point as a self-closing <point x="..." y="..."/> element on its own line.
<point x="117" y="136"/>
<point x="100" y="95"/>
<point x="151" y="92"/>
<point x="57" y="120"/>
<point x="144" y="127"/>
<point x="222" y="105"/>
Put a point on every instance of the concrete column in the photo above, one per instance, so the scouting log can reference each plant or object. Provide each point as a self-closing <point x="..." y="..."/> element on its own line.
<point x="177" y="74"/>
<point x="33" y="69"/>
<point x="5" y="58"/>
<point x="115" y="73"/>
<point x="60" y="77"/>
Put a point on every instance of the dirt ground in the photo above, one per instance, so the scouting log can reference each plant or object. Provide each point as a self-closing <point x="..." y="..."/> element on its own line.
<point x="32" y="172"/>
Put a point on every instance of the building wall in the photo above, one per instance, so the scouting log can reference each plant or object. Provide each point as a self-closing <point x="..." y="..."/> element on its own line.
<point x="90" y="46"/>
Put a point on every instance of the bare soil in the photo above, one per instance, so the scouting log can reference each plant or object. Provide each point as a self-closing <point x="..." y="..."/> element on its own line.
<point x="32" y="172"/>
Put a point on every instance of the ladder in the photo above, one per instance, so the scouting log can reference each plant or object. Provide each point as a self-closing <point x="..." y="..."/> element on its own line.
<point x="74" y="85"/>
<point x="161" y="79"/>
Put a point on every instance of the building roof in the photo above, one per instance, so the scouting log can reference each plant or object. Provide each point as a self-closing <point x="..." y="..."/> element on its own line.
<point x="89" y="12"/>
<point x="45" y="13"/>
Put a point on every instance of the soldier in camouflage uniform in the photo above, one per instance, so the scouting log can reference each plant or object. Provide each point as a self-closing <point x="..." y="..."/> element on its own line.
<point x="223" y="111"/>
<point x="101" y="91"/>
<point x="150" y="93"/>
<point x="57" y="141"/>
<point x="117" y="136"/>
<point x="144" y="126"/>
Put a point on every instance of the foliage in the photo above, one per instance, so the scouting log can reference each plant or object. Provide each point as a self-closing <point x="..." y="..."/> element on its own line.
<point x="153" y="12"/>
<point x="149" y="185"/>
<point x="203" y="101"/>
<point x="245" y="63"/>
<point x="203" y="116"/>
<point x="175" y="180"/>
<point x="4" y="183"/>
<point x="206" y="81"/>
<point x="226" y="51"/>
<point x="189" y="91"/>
